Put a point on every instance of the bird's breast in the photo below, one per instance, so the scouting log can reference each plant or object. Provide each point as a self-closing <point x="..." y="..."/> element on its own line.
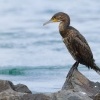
<point x="68" y="41"/>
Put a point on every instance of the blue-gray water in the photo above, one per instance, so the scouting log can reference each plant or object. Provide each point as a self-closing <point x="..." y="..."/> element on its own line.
<point x="35" y="55"/>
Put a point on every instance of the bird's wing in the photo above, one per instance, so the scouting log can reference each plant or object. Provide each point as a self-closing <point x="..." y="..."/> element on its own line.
<point x="83" y="40"/>
<point x="83" y="50"/>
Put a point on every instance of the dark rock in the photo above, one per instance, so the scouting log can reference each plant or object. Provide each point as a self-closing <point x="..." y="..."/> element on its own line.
<point x="69" y="95"/>
<point x="4" y="85"/>
<point x="25" y="97"/>
<point x="79" y="82"/>
<point x="8" y="91"/>
<point x="21" y="88"/>
<point x="10" y="94"/>
<point x="35" y="97"/>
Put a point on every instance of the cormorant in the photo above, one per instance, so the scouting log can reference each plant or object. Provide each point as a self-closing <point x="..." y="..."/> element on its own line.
<point x="74" y="41"/>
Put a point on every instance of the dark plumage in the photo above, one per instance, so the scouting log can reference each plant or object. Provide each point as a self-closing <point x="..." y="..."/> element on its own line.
<point x="74" y="41"/>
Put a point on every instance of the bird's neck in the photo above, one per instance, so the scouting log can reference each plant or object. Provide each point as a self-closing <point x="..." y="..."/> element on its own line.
<point x="63" y="27"/>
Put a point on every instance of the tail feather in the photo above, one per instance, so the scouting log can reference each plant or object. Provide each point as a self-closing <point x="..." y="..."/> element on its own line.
<point x="96" y="68"/>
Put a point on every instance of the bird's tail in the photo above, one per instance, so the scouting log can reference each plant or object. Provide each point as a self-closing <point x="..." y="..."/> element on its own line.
<point x="96" y="68"/>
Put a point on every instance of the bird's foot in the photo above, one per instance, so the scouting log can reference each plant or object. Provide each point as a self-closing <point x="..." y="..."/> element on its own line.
<point x="74" y="67"/>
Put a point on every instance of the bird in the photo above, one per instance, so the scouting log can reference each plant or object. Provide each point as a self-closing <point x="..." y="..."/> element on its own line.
<point x="75" y="42"/>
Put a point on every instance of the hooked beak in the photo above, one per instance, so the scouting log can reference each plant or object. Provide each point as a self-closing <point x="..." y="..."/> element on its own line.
<point x="50" y="21"/>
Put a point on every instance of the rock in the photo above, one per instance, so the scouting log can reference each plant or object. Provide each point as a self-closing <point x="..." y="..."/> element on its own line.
<point x="70" y="95"/>
<point x="4" y="85"/>
<point x="76" y="87"/>
<point x="79" y="83"/>
<point x="21" y="88"/>
<point x="10" y="94"/>
<point x="35" y="97"/>
<point x="8" y="91"/>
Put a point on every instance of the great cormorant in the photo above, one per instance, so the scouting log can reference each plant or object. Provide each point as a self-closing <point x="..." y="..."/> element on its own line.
<point x="74" y="41"/>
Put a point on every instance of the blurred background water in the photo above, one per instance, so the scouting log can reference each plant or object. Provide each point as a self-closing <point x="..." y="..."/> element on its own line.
<point x="35" y="55"/>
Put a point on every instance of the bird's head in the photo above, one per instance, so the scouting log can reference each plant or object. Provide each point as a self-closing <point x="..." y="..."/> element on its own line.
<point x="59" y="17"/>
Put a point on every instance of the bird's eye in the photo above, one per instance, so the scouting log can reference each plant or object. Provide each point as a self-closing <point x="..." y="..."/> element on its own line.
<point x="53" y="18"/>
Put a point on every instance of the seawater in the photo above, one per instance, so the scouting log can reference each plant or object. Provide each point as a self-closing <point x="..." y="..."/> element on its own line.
<point x="35" y="55"/>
